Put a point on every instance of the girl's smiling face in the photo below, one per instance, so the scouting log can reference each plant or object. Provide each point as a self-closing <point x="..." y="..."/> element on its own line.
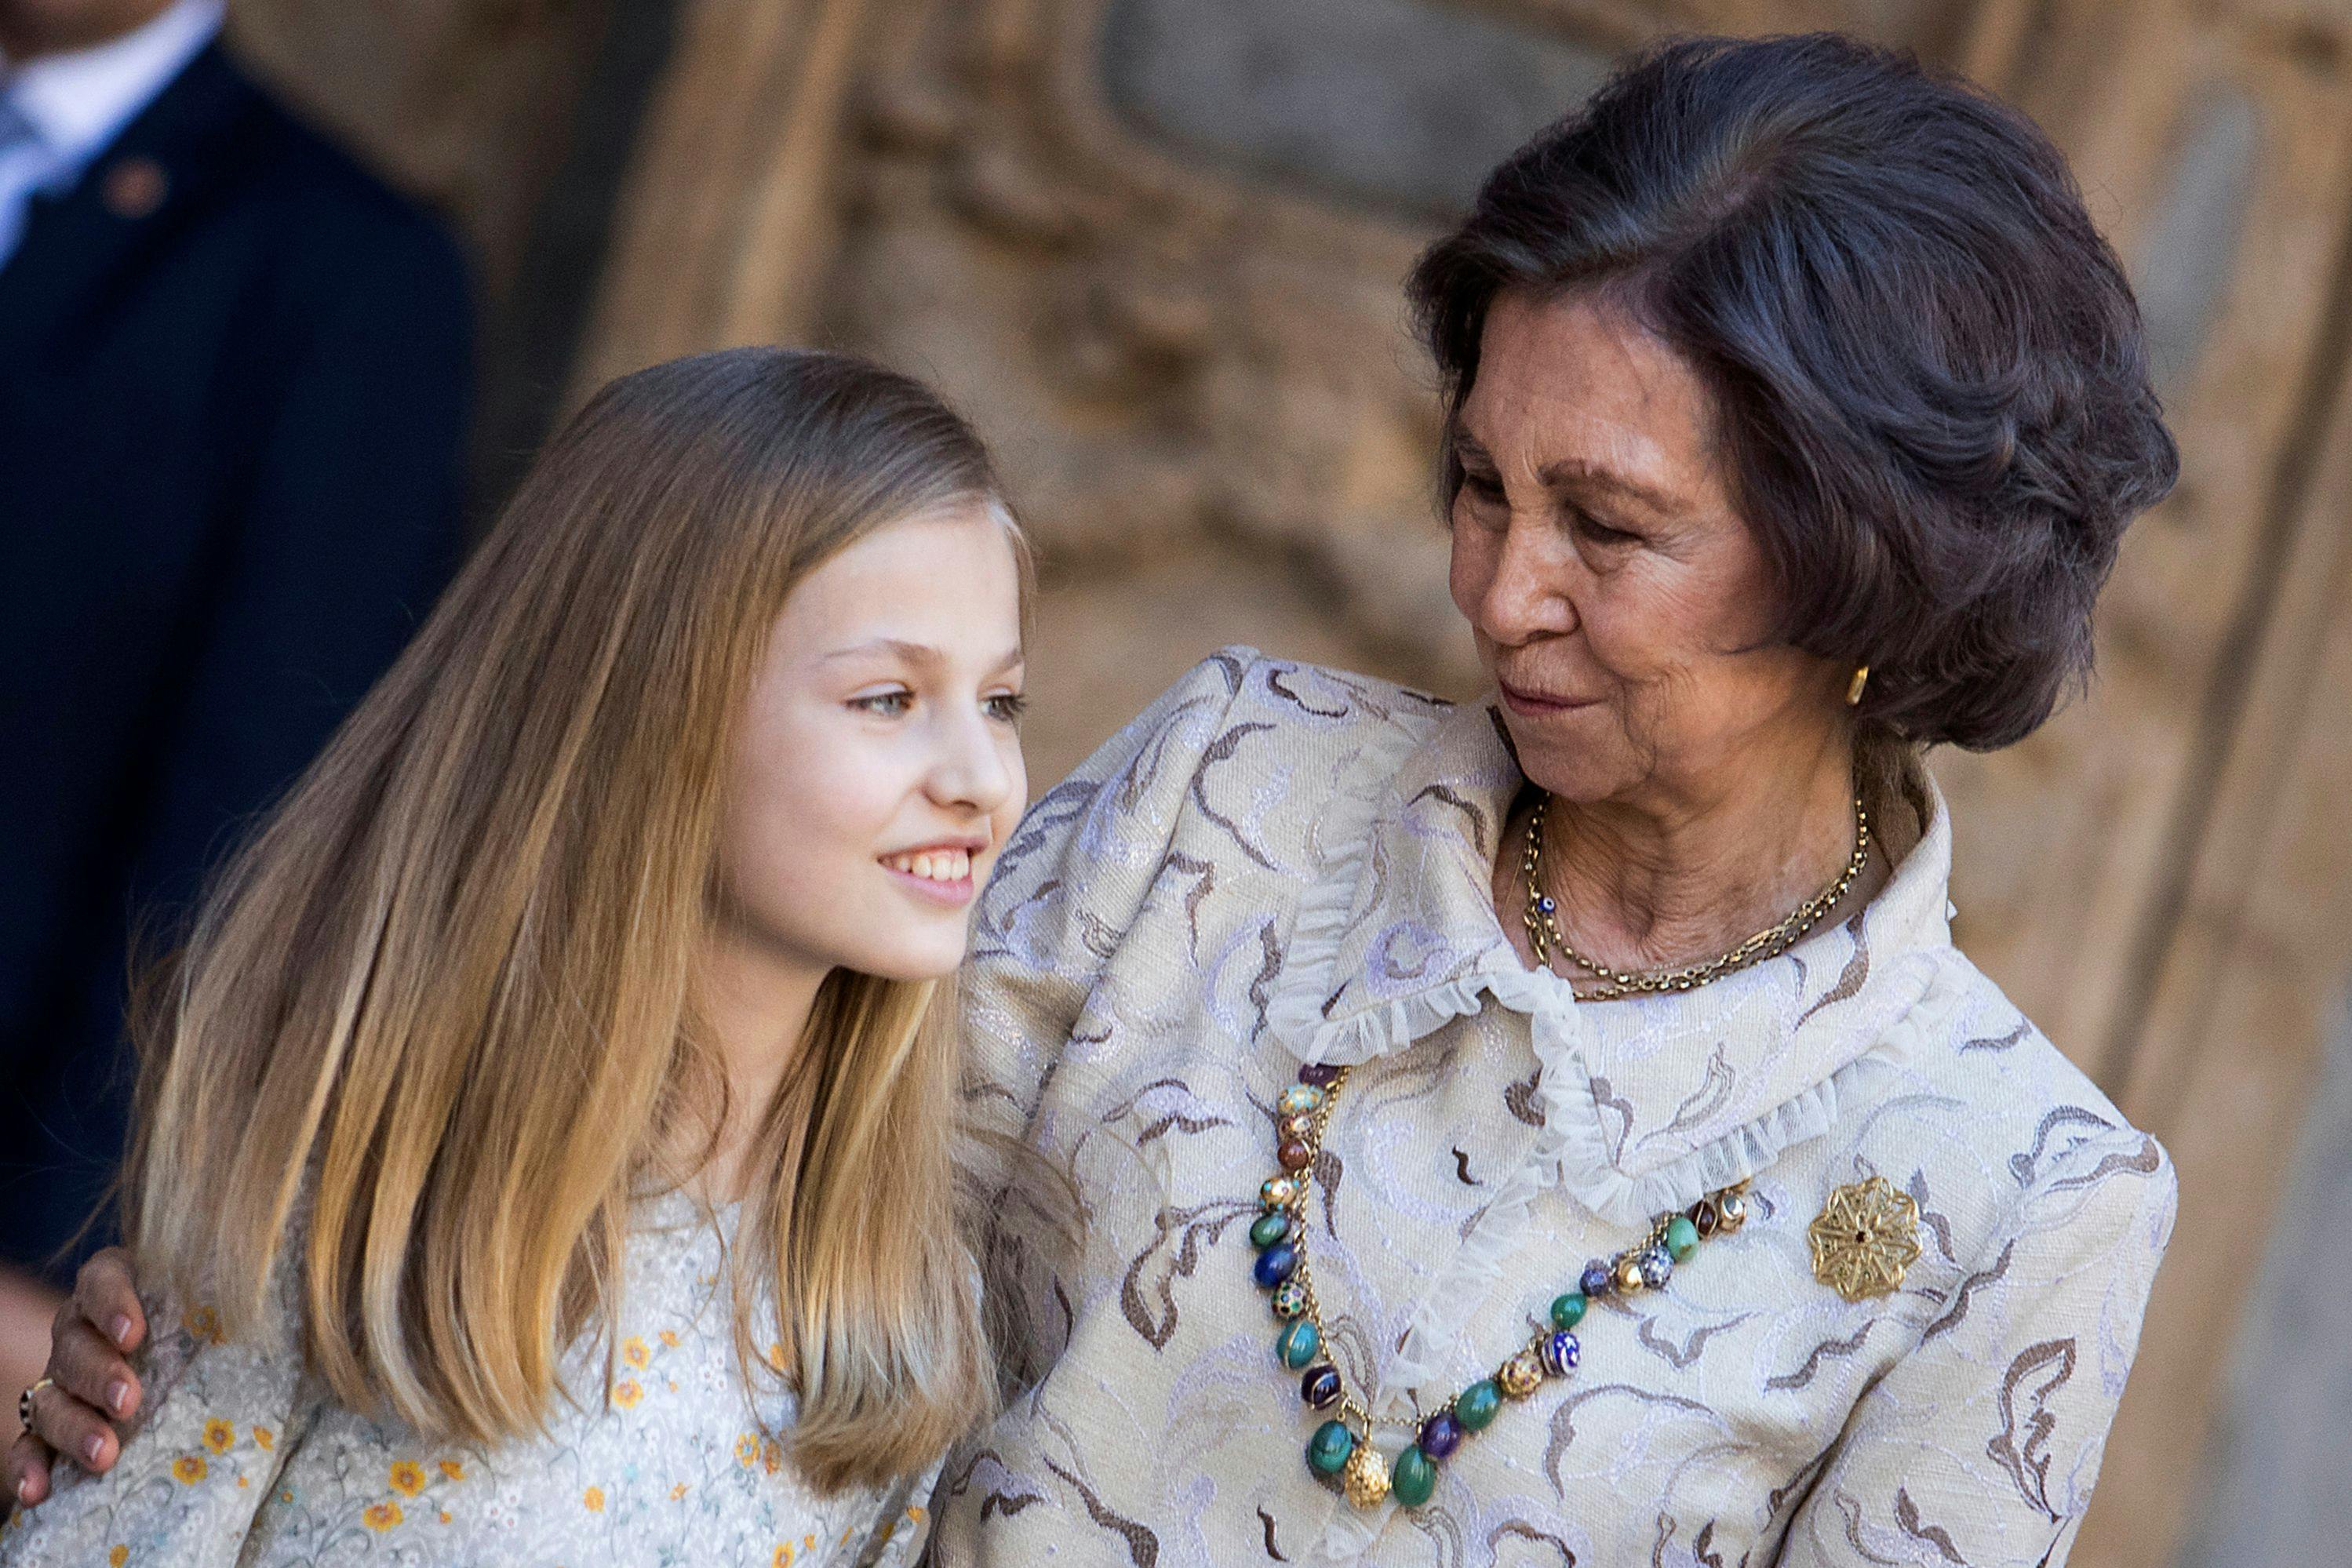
<point x="877" y="770"/>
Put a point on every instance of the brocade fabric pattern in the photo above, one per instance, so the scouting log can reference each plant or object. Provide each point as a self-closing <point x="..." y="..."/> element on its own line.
<point x="1279" y="864"/>
<point x="241" y="1460"/>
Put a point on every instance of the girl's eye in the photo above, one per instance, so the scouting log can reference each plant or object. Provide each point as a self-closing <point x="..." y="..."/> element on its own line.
<point x="1007" y="706"/>
<point x="890" y="704"/>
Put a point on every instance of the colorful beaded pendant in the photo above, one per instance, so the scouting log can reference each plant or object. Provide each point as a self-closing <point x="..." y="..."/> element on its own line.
<point x="1342" y="1447"/>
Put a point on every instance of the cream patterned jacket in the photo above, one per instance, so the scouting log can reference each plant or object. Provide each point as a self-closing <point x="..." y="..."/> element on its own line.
<point x="1279" y="864"/>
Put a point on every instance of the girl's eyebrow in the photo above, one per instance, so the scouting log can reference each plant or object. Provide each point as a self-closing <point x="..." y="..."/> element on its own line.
<point x="919" y="653"/>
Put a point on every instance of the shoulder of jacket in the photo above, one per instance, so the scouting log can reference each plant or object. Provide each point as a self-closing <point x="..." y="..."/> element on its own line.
<point x="2022" y="1094"/>
<point x="1314" y="706"/>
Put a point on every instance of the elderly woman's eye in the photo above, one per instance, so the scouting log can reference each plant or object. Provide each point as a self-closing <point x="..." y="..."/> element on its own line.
<point x="1600" y="533"/>
<point x="1484" y="486"/>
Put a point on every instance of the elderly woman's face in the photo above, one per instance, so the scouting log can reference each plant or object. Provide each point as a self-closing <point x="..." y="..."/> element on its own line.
<point x="1617" y="599"/>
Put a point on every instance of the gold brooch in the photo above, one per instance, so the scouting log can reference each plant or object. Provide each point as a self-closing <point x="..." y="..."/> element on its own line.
<point x="1863" y="1239"/>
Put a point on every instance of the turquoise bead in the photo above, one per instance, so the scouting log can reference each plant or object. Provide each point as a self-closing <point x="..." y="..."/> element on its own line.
<point x="1568" y="1311"/>
<point x="1300" y="1100"/>
<point x="1269" y="1230"/>
<point x="1682" y="1238"/>
<point x="1476" y="1405"/>
<point x="1328" y="1450"/>
<point x="1297" y="1343"/>
<point x="1414" y="1479"/>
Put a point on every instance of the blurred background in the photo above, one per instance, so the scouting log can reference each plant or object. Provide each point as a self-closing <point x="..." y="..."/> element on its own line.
<point x="1153" y="247"/>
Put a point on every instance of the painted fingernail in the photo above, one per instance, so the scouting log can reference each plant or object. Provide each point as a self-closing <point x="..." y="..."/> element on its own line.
<point x="118" y="1395"/>
<point x="120" y="1328"/>
<point x="94" y="1447"/>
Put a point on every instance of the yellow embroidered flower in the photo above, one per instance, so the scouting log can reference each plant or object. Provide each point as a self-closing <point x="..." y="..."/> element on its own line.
<point x="634" y="1352"/>
<point x="915" y="1512"/>
<point x="407" y="1476"/>
<point x="784" y="1557"/>
<point x="444" y="1516"/>
<point x="189" y="1469"/>
<point x="594" y="1498"/>
<point x="453" y="1469"/>
<point x="203" y="1322"/>
<point x="677" y="1491"/>
<point x="776" y="1355"/>
<point x="118" y="1557"/>
<point x="381" y="1516"/>
<point x="670" y="1338"/>
<point x="242" y="1483"/>
<point x="772" y="1456"/>
<point x="626" y="1394"/>
<point x="261" y="1435"/>
<point x="219" y="1435"/>
<point x="747" y="1449"/>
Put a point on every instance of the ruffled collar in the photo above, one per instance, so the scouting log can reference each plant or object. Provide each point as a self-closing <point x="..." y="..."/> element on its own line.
<point x="1649" y="1101"/>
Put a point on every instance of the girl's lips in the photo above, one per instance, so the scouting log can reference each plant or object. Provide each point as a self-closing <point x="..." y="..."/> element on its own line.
<point x="1534" y="707"/>
<point x="946" y="895"/>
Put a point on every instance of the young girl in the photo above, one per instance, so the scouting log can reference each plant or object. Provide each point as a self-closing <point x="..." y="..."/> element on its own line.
<point x="548" y="1134"/>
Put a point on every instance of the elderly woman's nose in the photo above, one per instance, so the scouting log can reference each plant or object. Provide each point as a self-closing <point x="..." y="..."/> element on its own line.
<point x="1528" y="593"/>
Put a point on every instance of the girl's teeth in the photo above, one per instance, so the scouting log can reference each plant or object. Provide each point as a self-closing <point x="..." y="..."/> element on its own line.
<point x="945" y="865"/>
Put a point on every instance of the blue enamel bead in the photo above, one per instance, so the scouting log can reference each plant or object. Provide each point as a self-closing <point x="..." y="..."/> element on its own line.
<point x="1560" y="1353"/>
<point x="1597" y="1280"/>
<point x="1276" y="1263"/>
<point x="1320" y="1387"/>
<point x="1299" y="1100"/>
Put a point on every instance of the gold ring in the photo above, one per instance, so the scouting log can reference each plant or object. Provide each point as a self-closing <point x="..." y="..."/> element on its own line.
<point x="25" y="1402"/>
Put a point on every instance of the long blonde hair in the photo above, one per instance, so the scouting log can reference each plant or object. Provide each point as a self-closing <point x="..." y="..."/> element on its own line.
<point x="440" y="1007"/>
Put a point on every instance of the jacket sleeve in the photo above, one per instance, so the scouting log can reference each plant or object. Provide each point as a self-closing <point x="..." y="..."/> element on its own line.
<point x="1980" y="1447"/>
<point x="220" y="1420"/>
<point x="1076" y="874"/>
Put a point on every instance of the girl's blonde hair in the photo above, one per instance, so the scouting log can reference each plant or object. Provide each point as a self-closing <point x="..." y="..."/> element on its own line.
<point x="441" y="1004"/>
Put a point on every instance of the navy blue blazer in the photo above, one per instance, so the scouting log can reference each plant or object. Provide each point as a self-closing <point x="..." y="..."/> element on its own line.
<point x="233" y="377"/>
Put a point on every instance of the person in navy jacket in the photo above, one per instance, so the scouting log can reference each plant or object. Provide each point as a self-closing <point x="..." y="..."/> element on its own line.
<point x="233" y="378"/>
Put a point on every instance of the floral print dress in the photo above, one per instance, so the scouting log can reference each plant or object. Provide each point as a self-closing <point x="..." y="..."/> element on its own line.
<point x="242" y="1458"/>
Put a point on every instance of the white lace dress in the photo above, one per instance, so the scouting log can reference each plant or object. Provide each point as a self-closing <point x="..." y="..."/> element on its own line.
<point x="241" y="1460"/>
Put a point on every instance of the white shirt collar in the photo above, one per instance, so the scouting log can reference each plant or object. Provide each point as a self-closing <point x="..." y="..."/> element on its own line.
<point x="80" y="101"/>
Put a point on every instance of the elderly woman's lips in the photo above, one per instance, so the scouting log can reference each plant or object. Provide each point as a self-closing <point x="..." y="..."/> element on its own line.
<point x="1534" y="704"/>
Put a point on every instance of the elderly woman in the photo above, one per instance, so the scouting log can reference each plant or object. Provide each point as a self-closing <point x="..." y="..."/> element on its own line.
<point x="1560" y="1128"/>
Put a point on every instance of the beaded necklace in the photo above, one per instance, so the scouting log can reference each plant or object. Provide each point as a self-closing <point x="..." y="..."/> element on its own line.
<point x="1342" y="1444"/>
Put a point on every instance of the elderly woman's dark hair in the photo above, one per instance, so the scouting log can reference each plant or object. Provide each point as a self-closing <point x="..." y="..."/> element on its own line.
<point x="1932" y="397"/>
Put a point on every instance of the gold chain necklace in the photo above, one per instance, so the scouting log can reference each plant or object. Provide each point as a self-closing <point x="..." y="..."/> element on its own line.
<point x="1542" y="921"/>
<point x="1342" y="1444"/>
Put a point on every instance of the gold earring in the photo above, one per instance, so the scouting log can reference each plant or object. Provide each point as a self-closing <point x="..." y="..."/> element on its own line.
<point x="1853" y="688"/>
